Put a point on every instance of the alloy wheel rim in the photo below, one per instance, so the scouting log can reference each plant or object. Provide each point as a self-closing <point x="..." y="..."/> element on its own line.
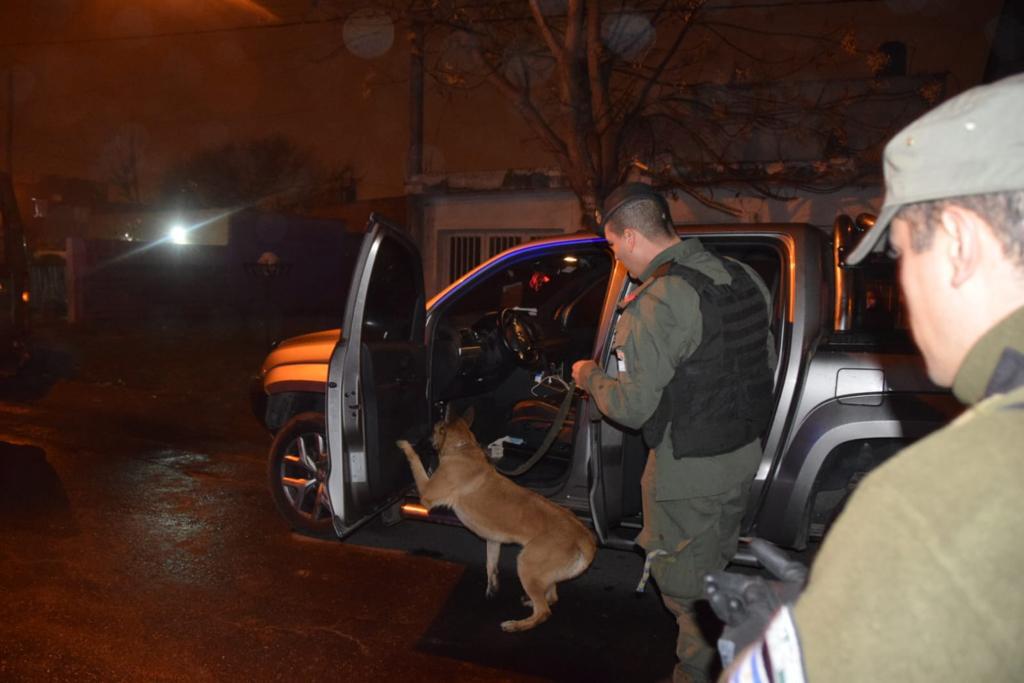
<point x="303" y="476"/>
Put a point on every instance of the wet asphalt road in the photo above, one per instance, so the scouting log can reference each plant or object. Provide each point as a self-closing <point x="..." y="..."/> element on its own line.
<point x="138" y="542"/>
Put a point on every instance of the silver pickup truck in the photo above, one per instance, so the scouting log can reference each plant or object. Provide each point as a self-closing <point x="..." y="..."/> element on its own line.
<point x="850" y="389"/>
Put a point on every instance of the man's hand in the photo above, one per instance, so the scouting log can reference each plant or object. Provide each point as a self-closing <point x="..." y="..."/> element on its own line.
<point x="579" y="368"/>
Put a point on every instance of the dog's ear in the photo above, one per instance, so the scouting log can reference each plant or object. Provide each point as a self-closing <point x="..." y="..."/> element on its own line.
<point x="450" y="415"/>
<point x="467" y="416"/>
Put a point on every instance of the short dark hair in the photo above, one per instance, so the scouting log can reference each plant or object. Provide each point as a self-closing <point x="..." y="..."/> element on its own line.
<point x="1003" y="211"/>
<point x="646" y="216"/>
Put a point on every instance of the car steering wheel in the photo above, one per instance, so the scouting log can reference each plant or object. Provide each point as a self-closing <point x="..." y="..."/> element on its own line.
<point x="517" y="335"/>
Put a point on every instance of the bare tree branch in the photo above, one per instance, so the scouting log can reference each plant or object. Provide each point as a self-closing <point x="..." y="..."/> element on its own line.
<point x="557" y="51"/>
<point x="673" y="89"/>
<point x="520" y="98"/>
<point x="687" y="24"/>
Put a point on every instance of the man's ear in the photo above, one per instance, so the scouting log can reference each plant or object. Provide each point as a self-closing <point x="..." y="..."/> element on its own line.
<point x="963" y="230"/>
<point x="629" y="237"/>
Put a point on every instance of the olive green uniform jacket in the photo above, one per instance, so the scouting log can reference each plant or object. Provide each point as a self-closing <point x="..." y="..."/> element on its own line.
<point x="922" y="576"/>
<point x="659" y="327"/>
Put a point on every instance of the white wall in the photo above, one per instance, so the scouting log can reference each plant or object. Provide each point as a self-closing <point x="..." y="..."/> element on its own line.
<point x="542" y="210"/>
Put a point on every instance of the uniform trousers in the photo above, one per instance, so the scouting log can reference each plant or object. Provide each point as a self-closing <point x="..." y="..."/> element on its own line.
<point x="695" y="536"/>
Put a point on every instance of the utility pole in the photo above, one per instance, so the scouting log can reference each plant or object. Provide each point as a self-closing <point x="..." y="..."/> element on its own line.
<point x="10" y="121"/>
<point x="414" y="160"/>
<point x="133" y="162"/>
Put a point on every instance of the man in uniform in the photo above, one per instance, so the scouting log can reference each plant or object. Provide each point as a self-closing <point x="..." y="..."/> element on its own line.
<point x="692" y="370"/>
<point x="920" y="578"/>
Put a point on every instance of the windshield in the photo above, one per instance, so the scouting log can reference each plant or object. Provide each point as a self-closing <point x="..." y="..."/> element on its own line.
<point x="540" y="283"/>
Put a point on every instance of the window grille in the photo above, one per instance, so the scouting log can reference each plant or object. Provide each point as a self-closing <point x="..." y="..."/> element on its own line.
<point x="500" y="243"/>
<point x="463" y="255"/>
<point x="462" y="251"/>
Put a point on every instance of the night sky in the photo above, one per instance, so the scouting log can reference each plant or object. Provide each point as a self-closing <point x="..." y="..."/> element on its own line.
<point x="183" y="75"/>
<point x="180" y="76"/>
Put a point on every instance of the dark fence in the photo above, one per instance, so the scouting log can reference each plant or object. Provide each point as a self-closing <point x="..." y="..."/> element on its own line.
<point x="272" y="266"/>
<point x="46" y="284"/>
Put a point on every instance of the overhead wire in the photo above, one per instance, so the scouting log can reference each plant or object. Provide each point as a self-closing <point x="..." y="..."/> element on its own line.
<point x="720" y="7"/>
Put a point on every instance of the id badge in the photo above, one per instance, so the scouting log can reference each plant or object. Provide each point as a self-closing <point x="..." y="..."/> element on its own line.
<point x="620" y="357"/>
<point x="776" y="658"/>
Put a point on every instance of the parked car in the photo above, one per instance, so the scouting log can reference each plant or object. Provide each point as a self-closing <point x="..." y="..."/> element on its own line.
<point x="14" y="281"/>
<point x="850" y="389"/>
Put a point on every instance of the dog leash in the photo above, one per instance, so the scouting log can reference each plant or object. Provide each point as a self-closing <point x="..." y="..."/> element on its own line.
<point x="645" y="575"/>
<point x="556" y="426"/>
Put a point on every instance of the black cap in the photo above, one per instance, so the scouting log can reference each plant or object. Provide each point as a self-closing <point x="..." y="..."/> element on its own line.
<point x="627" y="194"/>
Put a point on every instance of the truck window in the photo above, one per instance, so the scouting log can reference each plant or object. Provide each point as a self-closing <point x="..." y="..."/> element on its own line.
<point x="869" y="308"/>
<point x="541" y="281"/>
<point x="392" y="303"/>
<point x="765" y="257"/>
<point x="877" y="305"/>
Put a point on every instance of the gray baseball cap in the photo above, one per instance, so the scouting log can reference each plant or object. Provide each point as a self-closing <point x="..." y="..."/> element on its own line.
<point x="970" y="144"/>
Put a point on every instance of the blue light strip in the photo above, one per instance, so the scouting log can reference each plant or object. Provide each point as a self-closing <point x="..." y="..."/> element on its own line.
<point x="515" y="253"/>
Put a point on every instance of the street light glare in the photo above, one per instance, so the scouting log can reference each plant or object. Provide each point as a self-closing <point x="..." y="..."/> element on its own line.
<point x="179" y="235"/>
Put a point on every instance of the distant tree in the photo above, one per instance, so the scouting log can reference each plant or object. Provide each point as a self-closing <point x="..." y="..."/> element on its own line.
<point x="670" y="89"/>
<point x="269" y="171"/>
<point x="122" y="159"/>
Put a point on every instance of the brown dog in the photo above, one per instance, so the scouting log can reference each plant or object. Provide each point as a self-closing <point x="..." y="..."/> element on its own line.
<point x="556" y="545"/>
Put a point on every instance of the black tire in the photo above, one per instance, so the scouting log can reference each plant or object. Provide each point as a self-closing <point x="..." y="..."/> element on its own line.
<point x="297" y="471"/>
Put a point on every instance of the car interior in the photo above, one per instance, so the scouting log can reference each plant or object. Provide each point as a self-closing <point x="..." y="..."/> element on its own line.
<point x="505" y="344"/>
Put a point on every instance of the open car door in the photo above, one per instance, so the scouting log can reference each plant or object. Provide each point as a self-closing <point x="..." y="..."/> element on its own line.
<point x="376" y="385"/>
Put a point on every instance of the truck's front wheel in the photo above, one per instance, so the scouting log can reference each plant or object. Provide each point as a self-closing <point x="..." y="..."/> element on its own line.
<point x="297" y="470"/>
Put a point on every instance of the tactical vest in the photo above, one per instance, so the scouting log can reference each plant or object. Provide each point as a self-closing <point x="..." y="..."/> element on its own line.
<point x="720" y="398"/>
<point x="1008" y="375"/>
